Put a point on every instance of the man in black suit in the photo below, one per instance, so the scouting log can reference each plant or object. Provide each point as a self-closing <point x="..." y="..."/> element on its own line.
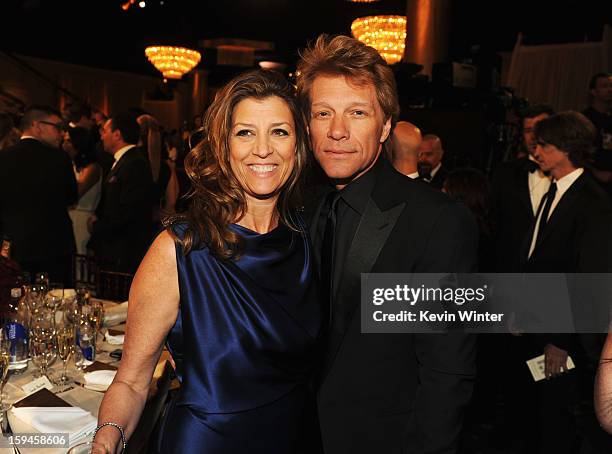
<point x="431" y="153"/>
<point x="517" y="187"/>
<point x="383" y="393"/>
<point x="571" y="234"/>
<point x="121" y="228"/>
<point x="37" y="185"/>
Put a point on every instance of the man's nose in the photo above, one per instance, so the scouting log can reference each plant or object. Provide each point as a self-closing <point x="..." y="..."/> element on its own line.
<point x="338" y="129"/>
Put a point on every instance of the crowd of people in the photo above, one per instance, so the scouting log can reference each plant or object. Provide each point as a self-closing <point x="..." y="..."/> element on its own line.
<point x="251" y="275"/>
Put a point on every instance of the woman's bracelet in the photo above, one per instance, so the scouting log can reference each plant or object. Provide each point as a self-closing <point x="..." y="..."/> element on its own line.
<point x="118" y="427"/>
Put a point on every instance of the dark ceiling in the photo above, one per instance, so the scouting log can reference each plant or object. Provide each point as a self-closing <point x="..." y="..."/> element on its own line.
<point x="99" y="33"/>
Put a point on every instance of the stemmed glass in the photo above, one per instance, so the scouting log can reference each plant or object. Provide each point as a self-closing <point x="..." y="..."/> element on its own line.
<point x="96" y="315"/>
<point x="65" y="347"/>
<point x="5" y="359"/>
<point x="42" y="349"/>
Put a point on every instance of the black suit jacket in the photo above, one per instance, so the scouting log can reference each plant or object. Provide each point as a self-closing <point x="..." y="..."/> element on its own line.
<point x="577" y="239"/>
<point x="392" y="393"/>
<point x="511" y="214"/>
<point x="37" y="185"/>
<point x="438" y="179"/>
<point x="122" y="232"/>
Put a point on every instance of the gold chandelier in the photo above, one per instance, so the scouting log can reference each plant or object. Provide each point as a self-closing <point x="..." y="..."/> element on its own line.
<point x="386" y="34"/>
<point x="171" y="61"/>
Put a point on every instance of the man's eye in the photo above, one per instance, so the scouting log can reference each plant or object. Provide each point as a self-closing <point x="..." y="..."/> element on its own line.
<point x="321" y="114"/>
<point x="280" y="132"/>
<point x="244" y="133"/>
<point x="359" y="113"/>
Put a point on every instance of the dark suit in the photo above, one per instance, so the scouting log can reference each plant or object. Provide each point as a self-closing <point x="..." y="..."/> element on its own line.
<point x="576" y="239"/>
<point x="511" y="213"/>
<point x="122" y="233"/>
<point x="396" y="393"/>
<point x="37" y="184"/>
<point x="439" y="178"/>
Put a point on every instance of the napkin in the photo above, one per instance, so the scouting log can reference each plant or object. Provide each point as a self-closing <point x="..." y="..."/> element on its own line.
<point x="63" y="418"/>
<point x="116" y="339"/>
<point x="115" y="314"/>
<point x="99" y="380"/>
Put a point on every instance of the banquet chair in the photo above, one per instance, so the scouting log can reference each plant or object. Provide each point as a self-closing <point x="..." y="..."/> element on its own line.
<point x="145" y="433"/>
<point x="113" y="285"/>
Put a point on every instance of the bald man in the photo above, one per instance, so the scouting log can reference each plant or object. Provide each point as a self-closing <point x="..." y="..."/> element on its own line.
<point x="404" y="148"/>
<point x="430" y="161"/>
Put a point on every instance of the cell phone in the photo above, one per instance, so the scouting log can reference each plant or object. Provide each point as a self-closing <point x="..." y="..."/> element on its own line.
<point x="116" y="354"/>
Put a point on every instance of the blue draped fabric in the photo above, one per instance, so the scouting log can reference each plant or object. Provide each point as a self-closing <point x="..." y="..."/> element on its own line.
<point x="244" y="343"/>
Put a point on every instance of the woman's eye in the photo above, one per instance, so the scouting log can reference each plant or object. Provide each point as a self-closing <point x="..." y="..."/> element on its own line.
<point x="280" y="132"/>
<point x="244" y="133"/>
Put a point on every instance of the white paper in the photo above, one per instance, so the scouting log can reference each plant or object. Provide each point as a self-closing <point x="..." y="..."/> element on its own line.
<point x="36" y="385"/>
<point x="536" y="366"/>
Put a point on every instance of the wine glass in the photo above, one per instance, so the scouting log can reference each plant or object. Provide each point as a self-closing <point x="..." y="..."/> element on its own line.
<point x="96" y="315"/>
<point x="43" y="352"/>
<point x="89" y="447"/>
<point x="5" y="359"/>
<point x="65" y="347"/>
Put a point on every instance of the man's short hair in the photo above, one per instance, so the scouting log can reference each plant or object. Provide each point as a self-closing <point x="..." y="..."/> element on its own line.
<point x="571" y="132"/>
<point x="536" y="110"/>
<point x="78" y="110"/>
<point x="595" y="77"/>
<point x="128" y="127"/>
<point x="345" y="56"/>
<point x="36" y="113"/>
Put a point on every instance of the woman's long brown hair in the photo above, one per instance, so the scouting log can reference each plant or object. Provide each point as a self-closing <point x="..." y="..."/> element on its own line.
<point x="216" y="198"/>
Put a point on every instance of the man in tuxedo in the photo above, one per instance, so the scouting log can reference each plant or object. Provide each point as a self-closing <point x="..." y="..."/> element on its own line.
<point x="517" y="187"/>
<point x="431" y="153"/>
<point x="571" y="234"/>
<point x="404" y="148"/>
<point x="122" y="227"/>
<point x="383" y="393"/>
<point x="37" y="185"/>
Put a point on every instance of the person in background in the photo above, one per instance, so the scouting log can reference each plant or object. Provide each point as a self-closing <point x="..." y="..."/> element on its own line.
<point x="163" y="169"/>
<point x="122" y="226"/>
<point x="600" y="114"/>
<point x="403" y="148"/>
<point x="431" y="153"/>
<point x="9" y="134"/>
<point x="37" y="185"/>
<point x="80" y="147"/>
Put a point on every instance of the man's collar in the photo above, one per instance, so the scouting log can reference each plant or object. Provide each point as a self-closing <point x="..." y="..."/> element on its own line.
<point x="120" y="152"/>
<point x="357" y="192"/>
<point x="25" y="136"/>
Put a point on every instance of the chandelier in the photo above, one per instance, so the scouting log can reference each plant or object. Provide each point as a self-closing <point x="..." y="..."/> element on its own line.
<point x="386" y="34"/>
<point x="171" y="61"/>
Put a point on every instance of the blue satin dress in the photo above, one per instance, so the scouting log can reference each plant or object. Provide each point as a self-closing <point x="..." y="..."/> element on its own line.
<point x="244" y="343"/>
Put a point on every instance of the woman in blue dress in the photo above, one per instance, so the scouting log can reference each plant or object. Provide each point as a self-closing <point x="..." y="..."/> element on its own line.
<point x="229" y="289"/>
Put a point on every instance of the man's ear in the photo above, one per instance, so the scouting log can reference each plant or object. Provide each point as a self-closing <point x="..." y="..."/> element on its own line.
<point x="386" y="130"/>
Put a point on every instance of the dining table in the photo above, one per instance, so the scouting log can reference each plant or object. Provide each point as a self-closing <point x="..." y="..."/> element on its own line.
<point x="76" y="394"/>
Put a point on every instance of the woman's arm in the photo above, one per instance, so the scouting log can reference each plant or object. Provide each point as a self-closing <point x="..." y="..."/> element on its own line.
<point x="152" y="311"/>
<point x="88" y="177"/>
<point x="603" y="387"/>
